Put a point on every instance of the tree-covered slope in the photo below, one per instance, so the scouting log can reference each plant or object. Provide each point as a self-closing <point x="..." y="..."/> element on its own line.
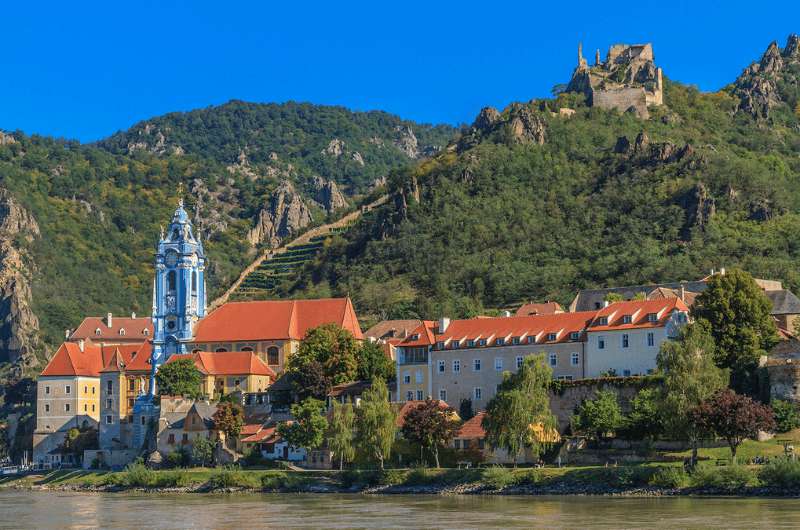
<point x="534" y="203"/>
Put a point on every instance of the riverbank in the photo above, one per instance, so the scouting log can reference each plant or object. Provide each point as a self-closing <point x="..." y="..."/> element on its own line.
<point x="647" y="480"/>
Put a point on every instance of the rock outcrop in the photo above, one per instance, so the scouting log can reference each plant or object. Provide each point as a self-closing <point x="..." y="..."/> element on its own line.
<point x="699" y="206"/>
<point x="645" y="152"/>
<point x="6" y="139"/>
<point x="151" y="138"/>
<point x="526" y="126"/>
<point x="19" y="326"/>
<point x="406" y="141"/>
<point x="327" y="194"/>
<point x="759" y="86"/>
<point x="211" y="214"/>
<point x="519" y="122"/>
<point x="335" y="148"/>
<point x="285" y="214"/>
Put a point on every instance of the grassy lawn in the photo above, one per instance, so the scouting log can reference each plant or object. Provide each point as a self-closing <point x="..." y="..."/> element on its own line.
<point x="748" y="450"/>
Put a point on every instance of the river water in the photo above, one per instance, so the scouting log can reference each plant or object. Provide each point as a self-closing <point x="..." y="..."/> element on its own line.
<point x="24" y="509"/>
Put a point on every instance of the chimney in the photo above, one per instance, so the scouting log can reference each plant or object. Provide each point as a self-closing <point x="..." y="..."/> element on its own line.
<point x="506" y="313"/>
<point x="683" y="293"/>
<point x="109" y="320"/>
<point x="605" y="303"/>
<point x="444" y="322"/>
<point x="81" y="345"/>
<point x="133" y="314"/>
<point x="66" y="334"/>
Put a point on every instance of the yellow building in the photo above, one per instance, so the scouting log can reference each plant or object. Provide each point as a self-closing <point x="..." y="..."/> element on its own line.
<point x="227" y="372"/>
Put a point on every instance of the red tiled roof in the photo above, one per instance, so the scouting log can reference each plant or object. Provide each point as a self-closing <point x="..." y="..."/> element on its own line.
<point x="546" y="308"/>
<point x="132" y="358"/>
<point x="472" y="428"/>
<point x="537" y="326"/>
<point x="423" y="335"/>
<point x="275" y="319"/>
<point x="266" y="435"/>
<point x="134" y="329"/>
<point x="227" y="363"/>
<point x="408" y="406"/>
<point x="637" y="310"/>
<point x="250" y="429"/>
<point x="69" y="360"/>
<point x="392" y="329"/>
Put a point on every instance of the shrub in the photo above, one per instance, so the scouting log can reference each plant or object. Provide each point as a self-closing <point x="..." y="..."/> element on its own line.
<point x="419" y="476"/>
<point x="231" y="477"/>
<point x="527" y="477"/>
<point x="786" y="415"/>
<point x="367" y="477"/>
<point x="625" y="476"/>
<point x="178" y="458"/>
<point x="391" y="477"/>
<point x="781" y="473"/>
<point x="498" y="477"/>
<point x="137" y="475"/>
<point x="279" y="481"/>
<point x="172" y="479"/>
<point x="727" y="478"/>
<point x="670" y="477"/>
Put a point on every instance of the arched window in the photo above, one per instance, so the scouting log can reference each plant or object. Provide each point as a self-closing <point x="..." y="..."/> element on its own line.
<point x="194" y="282"/>
<point x="145" y="332"/>
<point x="273" y="355"/>
<point x="196" y="350"/>
<point x="171" y="280"/>
<point x="247" y="348"/>
<point x="97" y="332"/>
<point x="121" y="331"/>
<point x="220" y="350"/>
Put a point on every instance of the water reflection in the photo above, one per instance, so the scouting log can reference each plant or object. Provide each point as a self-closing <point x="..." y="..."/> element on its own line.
<point x="72" y="510"/>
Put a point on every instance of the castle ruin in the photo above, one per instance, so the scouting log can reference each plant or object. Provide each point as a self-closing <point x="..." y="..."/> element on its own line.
<point x="627" y="80"/>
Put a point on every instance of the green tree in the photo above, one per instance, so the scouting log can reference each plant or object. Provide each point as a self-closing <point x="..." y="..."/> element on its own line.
<point x="644" y="419"/>
<point x="375" y="423"/>
<point x="341" y="432"/>
<point x="738" y="314"/>
<point x="786" y="415"/>
<point x="373" y="362"/>
<point x="431" y="426"/>
<point x="229" y="419"/>
<point x="522" y="401"/>
<point x="599" y="416"/>
<point x="465" y="409"/>
<point x="309" y="425"/>
<point x="202" y="451"/>
<point x="179" y="378"/>
<point x="690" y="376"/>
<point x="330" y="352"/>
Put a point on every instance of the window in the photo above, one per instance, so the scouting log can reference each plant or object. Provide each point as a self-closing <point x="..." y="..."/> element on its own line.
<point x="552" y="336"/>
<point x="471" y="343"/>
<point x="564" y="378"/>
<point x="441" y="367"/>
<point x="625" y="342"/>
<point x="457" y="443"/>
<point x="47" y="407"/>
<point x="515" y="340"/>
<point x="626" y="373"/>
<point x="406" y="378"/>
<point x="651" y="339"/>
<point x="194" y="282"/>
<point x="456" y="366"/>
<point x="109" y="387"/>
<point x="93" y="389"/>
<point x="66" y="407"/>
<point x="220" y="350"/>
<point x="575" y="359"/>
<point x="273" y="355"/>
<point x="247" y="348"/>
<point x="121" y="331"/>
<point x="498" y="364"/>
<point x="418" y="376"/>
<point x="601" y="343"/>
<point x="85" y="389"/>
<point x="92" y="408"/>
<point x="440" y="345"/>
<point x="419" y="395"/>
<point x="477" y="393"/>
<point x="626" y="319"/>
<point x="519" y="362"/>
<point x="652" y="317"/>
<point x="67" y="389"/>
<point x="443" y="394"/>
<point x="131" y="384"/>
<point x="184" y="438"/>
<point x="85" y="407"/>
<point x="109" y="419"/>
<point x="109" y="403"/>
<point x="455" y="344"/>
<point x="574" y="335"/>
<point x="481" y="443"/>
<point x="143" y="420"/>
<point x="482" y="342"/>
<point x="531" y="339"/>
<point x="553" y="359"/>
<point x="97" y="332"/>
<point x="47" y="390"/>
<point x="145" y="332"/>
<point x="415" y="336"/>
<point x="500" y="341"/>
<point x="171" y="439"/>
<point x="409" y="395"/>
<point x="603" y="321"/>
<point x="171" y="281"/>
<point x="476" y="365"/>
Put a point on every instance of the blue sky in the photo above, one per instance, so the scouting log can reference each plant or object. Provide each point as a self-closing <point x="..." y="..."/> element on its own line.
<point x="87" y="69"/>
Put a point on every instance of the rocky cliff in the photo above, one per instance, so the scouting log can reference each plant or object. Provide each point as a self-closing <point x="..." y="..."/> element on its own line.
<point x="771" y="81"/>
<point x="284" y="215"/>
<point x="327" y="194"/>
<point x="19" y="327"/>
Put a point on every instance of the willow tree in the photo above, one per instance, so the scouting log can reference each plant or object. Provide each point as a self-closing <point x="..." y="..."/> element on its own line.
<point x="375" y="422"/>
<point x="690" y="377"/>
<point x="522" y="401"/>
<point x="340" y="432"/>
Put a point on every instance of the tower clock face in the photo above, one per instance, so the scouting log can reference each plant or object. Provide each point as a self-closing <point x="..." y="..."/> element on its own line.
<point x="172" y="258"/>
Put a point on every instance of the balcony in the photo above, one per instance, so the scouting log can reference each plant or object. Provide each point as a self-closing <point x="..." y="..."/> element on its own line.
<point x="414" y="356"/>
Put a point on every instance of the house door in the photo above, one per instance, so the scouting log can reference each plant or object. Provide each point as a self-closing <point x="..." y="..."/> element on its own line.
<point x="286" y="452"/>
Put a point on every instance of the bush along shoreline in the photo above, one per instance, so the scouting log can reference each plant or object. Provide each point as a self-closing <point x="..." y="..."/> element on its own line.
<point x="780" y="478"/>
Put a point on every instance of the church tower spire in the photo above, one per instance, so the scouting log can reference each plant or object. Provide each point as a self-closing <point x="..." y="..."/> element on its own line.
<point x="179" y="290"/>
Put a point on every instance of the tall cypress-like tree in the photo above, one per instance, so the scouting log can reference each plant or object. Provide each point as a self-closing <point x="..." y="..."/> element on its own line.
<point x="522" y="401"/>
<point x="375" y="423"/>
<point x="738" y="314"/>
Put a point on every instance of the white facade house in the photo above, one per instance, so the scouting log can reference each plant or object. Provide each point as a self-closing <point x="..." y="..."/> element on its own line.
<point x="624" y="338"/>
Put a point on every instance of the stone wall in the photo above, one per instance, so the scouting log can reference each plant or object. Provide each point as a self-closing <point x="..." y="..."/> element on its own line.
<point x="621" y="99"/>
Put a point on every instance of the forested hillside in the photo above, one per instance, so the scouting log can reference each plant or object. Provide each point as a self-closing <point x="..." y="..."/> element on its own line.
<point x="84" y="219"/>
<point x="536" y="202"/>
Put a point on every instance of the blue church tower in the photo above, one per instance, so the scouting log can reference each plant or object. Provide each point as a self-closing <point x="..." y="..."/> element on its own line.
<point x="179" y="288"/>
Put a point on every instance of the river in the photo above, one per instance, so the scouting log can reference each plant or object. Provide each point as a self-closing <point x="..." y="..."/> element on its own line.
<point x="44" y="510"/>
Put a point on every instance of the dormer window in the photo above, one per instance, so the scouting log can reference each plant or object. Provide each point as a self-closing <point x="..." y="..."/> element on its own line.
<point x="626" y="319"/>
<point x="574" y="335"/>
<point x="602" y="321"/>
<point x="500" y="342"/>
<point x="455" y="344"/>
<point x="552" y="336"/>
<point x="97" y="332"/>
<point x="415" y="336"/>
<point x="121" y="331"/>
<point x="471" y="343"/>
<point x="440" y="345"/>
<point x="531" y="339"/>
<point x="482" y="342"/>
<point x="652" y="317"/>
<point x="514" y="340"/>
